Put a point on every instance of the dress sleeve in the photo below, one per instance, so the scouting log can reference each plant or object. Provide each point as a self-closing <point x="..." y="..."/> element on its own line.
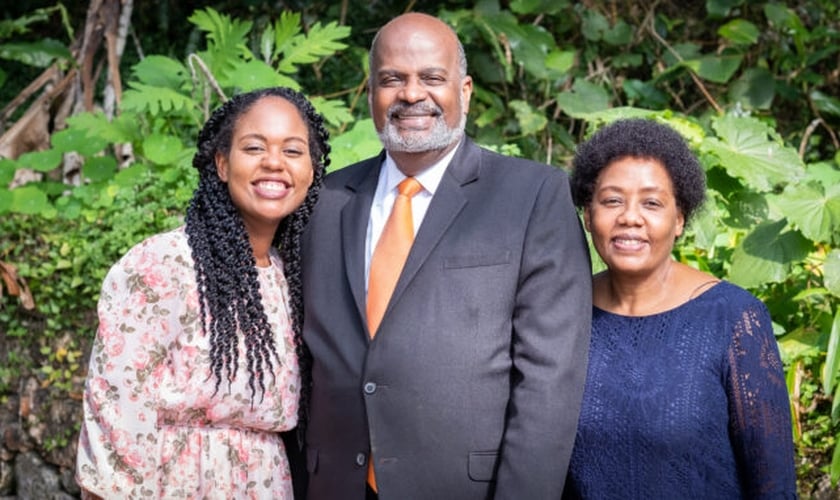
<point x="118" y="453"/>
<point x="759" y="407"/>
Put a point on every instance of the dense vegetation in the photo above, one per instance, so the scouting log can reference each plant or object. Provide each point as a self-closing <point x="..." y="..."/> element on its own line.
<point x="753" y="85"/>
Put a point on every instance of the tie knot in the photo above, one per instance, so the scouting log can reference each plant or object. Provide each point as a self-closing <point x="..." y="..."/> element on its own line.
<point x="409" y="187"/>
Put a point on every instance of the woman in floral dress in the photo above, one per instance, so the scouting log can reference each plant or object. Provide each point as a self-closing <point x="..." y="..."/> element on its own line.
<point x="195" y="367"/>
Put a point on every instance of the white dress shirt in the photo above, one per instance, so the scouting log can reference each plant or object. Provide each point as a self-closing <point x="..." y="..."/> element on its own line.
<point x="386" y="192"/>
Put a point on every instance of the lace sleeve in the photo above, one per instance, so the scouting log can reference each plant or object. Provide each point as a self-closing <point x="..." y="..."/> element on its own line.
<point x="759" y="407"/>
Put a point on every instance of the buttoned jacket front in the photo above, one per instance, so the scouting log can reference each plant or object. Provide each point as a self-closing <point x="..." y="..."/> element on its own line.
<point x="472" y="385"/>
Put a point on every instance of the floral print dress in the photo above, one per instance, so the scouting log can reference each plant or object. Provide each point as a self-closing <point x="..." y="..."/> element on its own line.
<point x="153" y="427"/>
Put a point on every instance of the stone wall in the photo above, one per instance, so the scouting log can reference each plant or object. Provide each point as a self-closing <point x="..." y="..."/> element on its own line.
<point x="39" y="422"/>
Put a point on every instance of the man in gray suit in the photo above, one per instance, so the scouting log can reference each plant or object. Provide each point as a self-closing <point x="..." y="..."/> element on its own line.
<point x="471" y="385"/>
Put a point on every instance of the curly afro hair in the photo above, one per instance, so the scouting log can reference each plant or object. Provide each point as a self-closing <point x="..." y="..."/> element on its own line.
<point x="226" y="274"/>
<point x="640" y="138"/>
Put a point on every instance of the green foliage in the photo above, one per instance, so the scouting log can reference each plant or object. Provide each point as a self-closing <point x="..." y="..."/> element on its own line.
<point x="64" y="238"/>
<point x="39" y="53"/>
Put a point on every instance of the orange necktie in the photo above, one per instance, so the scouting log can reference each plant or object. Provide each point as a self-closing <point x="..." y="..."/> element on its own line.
<point x="386" y="265"/>
<point x="390" y="253"/>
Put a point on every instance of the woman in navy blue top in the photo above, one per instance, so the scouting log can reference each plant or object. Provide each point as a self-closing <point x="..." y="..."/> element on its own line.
<point x="685" y="393"/>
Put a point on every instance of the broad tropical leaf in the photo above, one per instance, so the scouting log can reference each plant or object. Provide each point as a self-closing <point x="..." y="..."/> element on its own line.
<point x="748" y="150"/>
<point x="584" y="99"/>
<point x="766" y="254"/>
<point x="814" y="209"/>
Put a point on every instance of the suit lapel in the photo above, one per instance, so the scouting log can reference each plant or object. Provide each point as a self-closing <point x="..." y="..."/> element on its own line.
<point x="448" y="201"/>
<point x="354" y="221"/>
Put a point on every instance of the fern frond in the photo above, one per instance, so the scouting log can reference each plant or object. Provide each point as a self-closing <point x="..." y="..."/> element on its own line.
<point x="224" y="34"/>
<point x="320" y="42"/>
<point x="142" y="98"/>
<point x="285" y="30"/>
<point x="335" y="111"/>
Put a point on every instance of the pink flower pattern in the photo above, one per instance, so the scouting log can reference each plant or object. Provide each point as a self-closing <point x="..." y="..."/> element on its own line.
<point x="153" y="427"/>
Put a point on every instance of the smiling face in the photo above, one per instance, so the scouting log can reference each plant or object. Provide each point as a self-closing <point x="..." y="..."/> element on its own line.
<point x="633" y="216"/>
<point x="269" y="169"/>
<point x="417" y="95"/>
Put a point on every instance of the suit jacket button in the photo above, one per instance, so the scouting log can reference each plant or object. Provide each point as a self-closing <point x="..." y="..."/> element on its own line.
<point x="361" y="459"/>
<point x="370" y="388"/>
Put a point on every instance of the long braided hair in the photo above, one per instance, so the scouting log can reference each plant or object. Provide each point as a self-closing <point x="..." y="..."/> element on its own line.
<point x="226" y="273"/>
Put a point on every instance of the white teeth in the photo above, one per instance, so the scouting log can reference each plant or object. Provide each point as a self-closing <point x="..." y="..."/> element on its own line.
<point x="624" y="241"/>
<point x="272" y="186"/>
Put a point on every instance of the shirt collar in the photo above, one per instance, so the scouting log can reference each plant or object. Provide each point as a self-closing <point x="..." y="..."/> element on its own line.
<point x="428" y="178"/>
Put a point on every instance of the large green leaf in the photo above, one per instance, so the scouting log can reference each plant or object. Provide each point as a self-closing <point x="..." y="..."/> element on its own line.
<point x="740" y="32"/>
<point x="79" y="140"/>
<point x="41" y="161"/>
<point x="29" y="200"/>
<point x="39" y="54"/>
<point x="584" y="99"/>
<point x="99" y="168"/>
<point x="746" y="151"/>
<point x="716" y="68"/>
<point x="162" y="149"/>
<point x="160" y="71"/>
<point x="765" y="255"/>
<point x="529" y="44"/>
<point x="559" y="62"/>
<point x="814" y="209"/>
<point x="255" y="74"/>
<point x="831" y="272"/>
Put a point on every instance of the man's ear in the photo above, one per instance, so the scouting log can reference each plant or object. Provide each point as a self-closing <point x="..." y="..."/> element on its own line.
<point x="466" y="93"/>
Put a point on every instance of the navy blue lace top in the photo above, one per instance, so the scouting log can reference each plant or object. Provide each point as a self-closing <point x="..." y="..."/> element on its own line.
<point x="688" y="403"/>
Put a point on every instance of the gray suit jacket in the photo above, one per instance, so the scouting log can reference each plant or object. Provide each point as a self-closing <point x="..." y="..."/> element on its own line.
<point x="472" y="386"/>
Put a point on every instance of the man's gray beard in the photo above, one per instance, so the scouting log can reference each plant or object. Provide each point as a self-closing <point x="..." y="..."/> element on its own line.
<point x="438" y="138"/>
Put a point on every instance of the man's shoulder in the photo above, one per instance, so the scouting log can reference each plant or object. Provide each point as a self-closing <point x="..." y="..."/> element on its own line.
<point x="505" y="164"/>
